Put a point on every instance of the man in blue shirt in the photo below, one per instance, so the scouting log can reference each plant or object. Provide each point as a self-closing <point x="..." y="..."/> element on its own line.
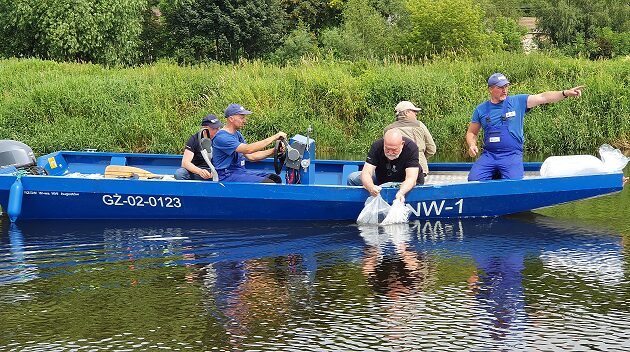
<point x="230" y="150"/>
<point x="501" y="118"/>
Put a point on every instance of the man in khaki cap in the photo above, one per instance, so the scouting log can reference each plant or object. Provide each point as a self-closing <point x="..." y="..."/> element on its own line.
<point x="408" y="124"/>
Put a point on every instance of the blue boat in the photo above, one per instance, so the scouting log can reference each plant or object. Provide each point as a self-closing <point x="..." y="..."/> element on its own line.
<point x="73" y="186"/>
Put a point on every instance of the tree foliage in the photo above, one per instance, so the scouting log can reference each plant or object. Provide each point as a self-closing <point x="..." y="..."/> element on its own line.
<point x="446" y="26"/>
<point x="584" y="27"/>
<point x="299" y="43"/>
<point x="313" y="15"/>
<point x="100" y="31"/>
<point x="223" y="29"/>
<point x="365" y="33"/>
<point x="510" y="32"/>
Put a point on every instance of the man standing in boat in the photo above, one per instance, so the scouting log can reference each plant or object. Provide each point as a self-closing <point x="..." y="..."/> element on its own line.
<point x="393" y="158"/>
<point x="194" y="165"/>
<point x="501" y="118"/>
<point x="230" y="150"/>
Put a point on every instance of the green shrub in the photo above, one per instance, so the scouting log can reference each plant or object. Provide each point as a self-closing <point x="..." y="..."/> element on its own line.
<point x="99" y="31"/>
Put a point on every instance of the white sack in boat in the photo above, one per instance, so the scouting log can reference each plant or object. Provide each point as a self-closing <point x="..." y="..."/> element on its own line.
<point x="613" y="160"/>
<point x="572" y="165"/>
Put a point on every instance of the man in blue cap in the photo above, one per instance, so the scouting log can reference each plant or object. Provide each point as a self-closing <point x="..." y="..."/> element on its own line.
<point x="501" y="118"/>
<point x="230" y="150"/>
<point x="194" y="165"/>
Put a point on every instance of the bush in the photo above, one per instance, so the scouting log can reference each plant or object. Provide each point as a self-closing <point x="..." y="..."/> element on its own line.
<point x="100" y="31"/>
<point x="511" y="33"/>
<point x="365" y="33"/>
<point x="437" y="27"/>
<point x="298" y="44"/>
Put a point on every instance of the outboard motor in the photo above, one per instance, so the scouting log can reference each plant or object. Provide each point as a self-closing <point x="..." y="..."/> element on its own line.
<point x="16" y="154"/>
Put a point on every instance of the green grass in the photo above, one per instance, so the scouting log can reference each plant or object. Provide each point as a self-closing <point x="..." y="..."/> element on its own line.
<point x="52" y="106"/>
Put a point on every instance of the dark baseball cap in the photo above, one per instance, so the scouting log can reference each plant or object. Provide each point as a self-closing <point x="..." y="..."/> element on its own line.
<point x="211" y="120"/>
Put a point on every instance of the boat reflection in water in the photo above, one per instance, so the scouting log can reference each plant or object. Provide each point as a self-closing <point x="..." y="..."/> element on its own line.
<point x="479" y="284"/>
<point x="513" y="267"/>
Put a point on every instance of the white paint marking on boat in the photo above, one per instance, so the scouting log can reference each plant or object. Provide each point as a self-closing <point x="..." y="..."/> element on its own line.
<point x="156" y="238"/>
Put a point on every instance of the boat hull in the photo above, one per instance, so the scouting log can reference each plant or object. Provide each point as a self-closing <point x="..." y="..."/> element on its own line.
<point x="58" y="197"/>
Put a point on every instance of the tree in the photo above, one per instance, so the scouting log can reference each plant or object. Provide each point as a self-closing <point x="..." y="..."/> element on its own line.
<point x="224" y="29"/>
<point x="365" y="33"/>
<point x="446" y="26"/>
<point x="313" y="14"/>
<point x="563" y="20"/>
<point x="510" y="31"/>
<point x="590" y="28"/>
<point x="99" y="31"/>
<point x="298" y="44"/>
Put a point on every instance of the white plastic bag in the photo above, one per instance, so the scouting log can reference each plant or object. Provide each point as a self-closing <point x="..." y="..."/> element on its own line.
<point x="398" y="214"/>
<point x="613" y="160"/>
<point x="571" y="165"/>
<point x="375" y="210"/>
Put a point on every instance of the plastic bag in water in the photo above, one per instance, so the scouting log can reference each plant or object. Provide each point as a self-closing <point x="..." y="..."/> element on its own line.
<point x="398" y="214"/>
<point x="375" y="210"/>
<point x="613" y="160"/>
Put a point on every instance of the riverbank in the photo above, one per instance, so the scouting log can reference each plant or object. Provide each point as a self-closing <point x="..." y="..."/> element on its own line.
<point x="52" y="106"/>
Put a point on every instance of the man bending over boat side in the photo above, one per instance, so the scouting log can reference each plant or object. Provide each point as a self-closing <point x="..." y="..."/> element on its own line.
<point x="230" y="150"/>
<point x="409" y="125"/>
<point x="194" y="165"/>
<point x="501" y="118"/>
<point x="393" y="158"/>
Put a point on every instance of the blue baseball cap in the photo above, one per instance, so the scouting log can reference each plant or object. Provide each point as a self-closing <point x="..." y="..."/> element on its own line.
<point x="236" y="109"/>
<point x="498" y="79"/>
<point x="212" y="121"/>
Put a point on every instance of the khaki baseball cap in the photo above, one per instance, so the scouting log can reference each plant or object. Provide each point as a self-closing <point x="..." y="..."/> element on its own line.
<point x="406" y="105"/>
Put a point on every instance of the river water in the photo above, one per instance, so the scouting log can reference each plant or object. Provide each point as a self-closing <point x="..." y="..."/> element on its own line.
<point x="554" y="280"/>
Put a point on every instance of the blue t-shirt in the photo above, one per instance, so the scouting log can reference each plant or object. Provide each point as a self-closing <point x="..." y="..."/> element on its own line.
<point x="517" y="108"/>
<point x="224" y="153"/>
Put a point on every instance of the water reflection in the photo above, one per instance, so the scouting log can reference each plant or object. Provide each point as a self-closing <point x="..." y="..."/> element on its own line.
<point x="507" y="257"/>
<point x="393" y="267"/>
<point x="475" y="284"/>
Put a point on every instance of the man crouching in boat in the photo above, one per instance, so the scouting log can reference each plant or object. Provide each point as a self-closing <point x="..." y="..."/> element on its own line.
<point x="501" y="118"/>
<point x="194" y="165"/>
<point x="230" y="150"/>
<point x="393" y="158"/>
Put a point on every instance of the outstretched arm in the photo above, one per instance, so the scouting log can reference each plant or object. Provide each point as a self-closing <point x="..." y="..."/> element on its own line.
<point x="553" y="96"/>
<point x="256" y="156"/>
<point x="255" y="151"/>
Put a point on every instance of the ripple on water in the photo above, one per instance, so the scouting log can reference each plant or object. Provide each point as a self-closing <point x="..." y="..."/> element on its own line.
<point x="494" y="284"/>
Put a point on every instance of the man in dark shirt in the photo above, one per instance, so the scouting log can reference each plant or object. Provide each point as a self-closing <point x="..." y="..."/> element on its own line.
<point x="393" y="158"/>
<point x="194" y="166"/>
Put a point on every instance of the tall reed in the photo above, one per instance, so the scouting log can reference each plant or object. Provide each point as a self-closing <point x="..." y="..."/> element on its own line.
<point x="52" y="106"/>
